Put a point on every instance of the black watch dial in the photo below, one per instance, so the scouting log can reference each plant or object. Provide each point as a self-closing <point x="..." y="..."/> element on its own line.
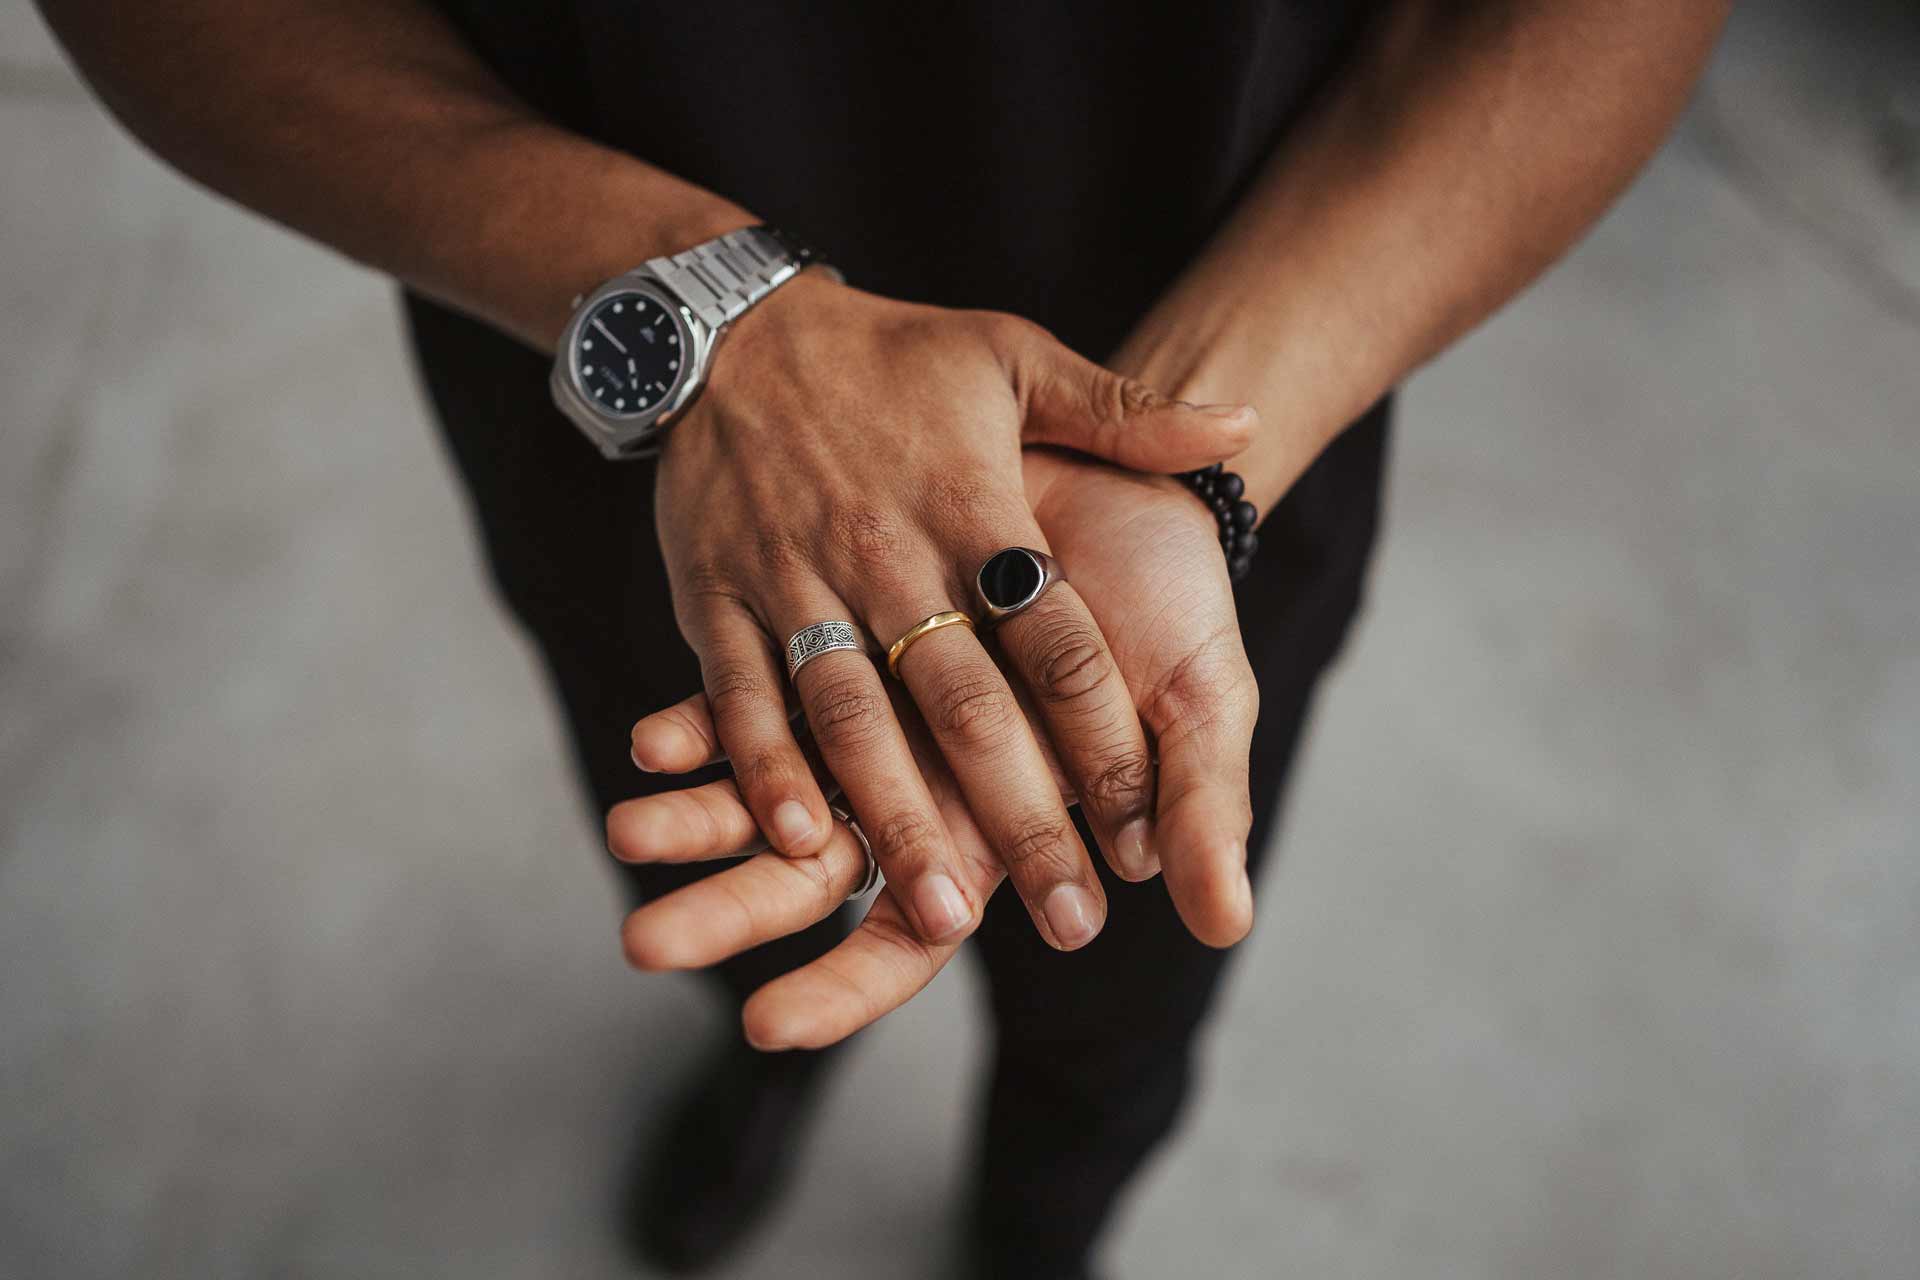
<point x="628" y="354"/>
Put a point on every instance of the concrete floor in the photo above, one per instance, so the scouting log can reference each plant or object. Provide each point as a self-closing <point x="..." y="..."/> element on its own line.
<point x="1593" y="954"/>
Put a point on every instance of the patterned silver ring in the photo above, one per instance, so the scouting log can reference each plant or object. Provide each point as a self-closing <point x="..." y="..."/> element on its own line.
<point x="843" y="814"/>
<point x="808" y="643"/>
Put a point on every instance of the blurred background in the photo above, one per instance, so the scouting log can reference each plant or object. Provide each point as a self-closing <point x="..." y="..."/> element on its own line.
<point x="1594" y="950"/>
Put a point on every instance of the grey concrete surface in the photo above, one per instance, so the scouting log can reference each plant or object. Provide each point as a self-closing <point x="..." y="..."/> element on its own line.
<point x="1593" y="952"/>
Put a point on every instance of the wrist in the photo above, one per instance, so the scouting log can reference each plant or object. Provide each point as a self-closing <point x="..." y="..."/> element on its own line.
<point x="1203" y="363"/>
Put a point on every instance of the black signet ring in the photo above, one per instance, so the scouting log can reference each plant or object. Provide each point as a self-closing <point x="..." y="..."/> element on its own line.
<point x="1012" y="579"/>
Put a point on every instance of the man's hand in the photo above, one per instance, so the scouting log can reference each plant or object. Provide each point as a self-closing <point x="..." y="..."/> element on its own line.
<point x="1145" y="556"/>
<point x="858" y="458"/>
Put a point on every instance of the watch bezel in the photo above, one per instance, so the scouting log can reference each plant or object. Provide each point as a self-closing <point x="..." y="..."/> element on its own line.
<point x="630" y="435"/>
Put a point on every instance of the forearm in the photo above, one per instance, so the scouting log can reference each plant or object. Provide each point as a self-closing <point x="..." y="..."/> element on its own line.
<point x="371" y="127"/>
<point x="1466" y="150"/>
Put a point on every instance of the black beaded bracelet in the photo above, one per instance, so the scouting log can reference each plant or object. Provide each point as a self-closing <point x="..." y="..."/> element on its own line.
<point x="1220" y="489"/>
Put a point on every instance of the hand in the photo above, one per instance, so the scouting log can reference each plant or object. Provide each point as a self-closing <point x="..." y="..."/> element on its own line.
<point x="1145" y="554"/>
<point x="859" y="458"/>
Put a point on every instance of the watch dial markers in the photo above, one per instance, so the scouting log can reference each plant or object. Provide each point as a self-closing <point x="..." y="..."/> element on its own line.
<point x="633" y="324"/>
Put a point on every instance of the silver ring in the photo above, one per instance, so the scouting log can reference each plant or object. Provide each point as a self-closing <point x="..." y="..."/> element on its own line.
<point x="843" y="814"/>
<point x="808" y="643"/>
<point x="1012" y="579"/>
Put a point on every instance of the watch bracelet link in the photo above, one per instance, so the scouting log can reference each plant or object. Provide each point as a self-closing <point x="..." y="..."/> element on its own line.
<point x="722" y="278"/>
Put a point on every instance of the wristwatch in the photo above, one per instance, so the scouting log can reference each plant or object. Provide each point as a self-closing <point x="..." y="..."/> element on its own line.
<point x="637" y="350"/>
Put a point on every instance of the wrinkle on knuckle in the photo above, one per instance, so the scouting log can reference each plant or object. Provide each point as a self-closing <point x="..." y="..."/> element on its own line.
<point x="846" y="714"/>
<point x="734" y="688"/>
<point x="959" y="497"/>
<point x="711" y="579"/>
<point x="864" y="535"/>
<point x="1210" y="684"/>
<point x="1038" y="842"/>
<point x="763" y="770"/>
<point x="973" y="709"/>
<point x="1114" y="401"/>
<point x="781" y="552"/>
<point x="907" y="834"/>
<point x="1072" y="662"/>
<point x="818" y="879"/>
<point x="1122" y="785"/>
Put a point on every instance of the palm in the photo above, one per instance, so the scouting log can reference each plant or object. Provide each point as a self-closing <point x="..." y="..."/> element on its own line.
<point x="1143" y="555"/>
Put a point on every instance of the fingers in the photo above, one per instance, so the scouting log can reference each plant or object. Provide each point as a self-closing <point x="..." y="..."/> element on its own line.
<point x="690" y="825"/>
<point x="1008" y="786"/>
<point x="746" y="695"/>
<point x="1202" y="720"/>
<point x="734" y="910"/>
<point x="878" y="967"/>
<point x="677" y="739"/>
<point x="1059" y="654"/>
<point x="861" y="744"/>
<point x="1070" y="401"/>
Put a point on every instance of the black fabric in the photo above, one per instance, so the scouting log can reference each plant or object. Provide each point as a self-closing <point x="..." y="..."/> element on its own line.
<point x="1060" y="161"/>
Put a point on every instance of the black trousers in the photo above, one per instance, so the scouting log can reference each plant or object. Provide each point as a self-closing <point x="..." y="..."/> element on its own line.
<point x="1094" y="1049"/>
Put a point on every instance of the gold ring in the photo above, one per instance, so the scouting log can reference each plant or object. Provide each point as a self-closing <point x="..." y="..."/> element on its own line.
<point x="926" y="626"/>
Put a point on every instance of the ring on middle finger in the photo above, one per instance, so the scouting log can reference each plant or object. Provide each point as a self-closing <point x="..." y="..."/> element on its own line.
<point x="919" y="631"/>
<point x="1014" y="579"/>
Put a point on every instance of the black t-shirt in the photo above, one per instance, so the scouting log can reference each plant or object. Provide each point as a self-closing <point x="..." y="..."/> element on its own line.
<point x="1062" y="161"/>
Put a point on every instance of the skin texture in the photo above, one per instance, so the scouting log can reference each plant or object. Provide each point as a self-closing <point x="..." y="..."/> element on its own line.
<point x="1463" y="149"/>
<point x="831" y="511"/>
<point x="1172" y="651"/>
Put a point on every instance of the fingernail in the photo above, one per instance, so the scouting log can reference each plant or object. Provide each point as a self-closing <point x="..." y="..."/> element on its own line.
<point x="941" y="908"/>
<point x="1072" y="915"/>
<point x="1130" y="849"/>
<point x="1246" y="886"/>
<point x="792" y="824"/>
<point x="1223" y="410"/>
<point x="633" y="754"/>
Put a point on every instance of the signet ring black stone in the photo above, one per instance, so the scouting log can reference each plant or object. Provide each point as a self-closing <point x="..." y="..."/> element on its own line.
<point x="1012" y="579"/>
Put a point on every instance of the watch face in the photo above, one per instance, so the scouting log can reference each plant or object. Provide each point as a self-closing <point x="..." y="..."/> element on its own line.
<point x="628" y="354"/>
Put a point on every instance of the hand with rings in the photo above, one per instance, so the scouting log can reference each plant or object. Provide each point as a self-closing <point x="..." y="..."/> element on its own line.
<point x="828" y="507"/>
<point x="1146" y="559"/>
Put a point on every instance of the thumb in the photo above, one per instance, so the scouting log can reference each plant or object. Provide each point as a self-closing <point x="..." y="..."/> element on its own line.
<point x="1072" y="402"/>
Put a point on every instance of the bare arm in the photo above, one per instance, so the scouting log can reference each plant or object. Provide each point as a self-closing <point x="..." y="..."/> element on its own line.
<point x="370" y="126"/>
<point x="1468" y="148"/>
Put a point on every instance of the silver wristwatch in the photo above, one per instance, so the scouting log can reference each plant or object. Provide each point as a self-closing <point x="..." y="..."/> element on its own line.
<point x="636" y="352"/>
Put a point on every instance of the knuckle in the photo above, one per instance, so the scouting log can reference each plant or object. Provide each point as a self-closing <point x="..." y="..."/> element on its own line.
<point x="1114" y="399"/>
<point x="1121" y="785"/>
<point x="959" y="497"/>
<point x="817" y="878"/>
<point x="973" y="709"/>
<point x="1072" y="662"/>
<point x="1004" y="329"/>
<point x="1039" y="841"/>
<point x="908" y="834"/>
<point x="710" y="579"/>
<point x="1210" y="685"/>
<point x="762" y="771"/>
<point x="735" y="688"/>
<point x="846" y="714"/>
<point x="781" y="552"/>
<point x="864" y="535"/>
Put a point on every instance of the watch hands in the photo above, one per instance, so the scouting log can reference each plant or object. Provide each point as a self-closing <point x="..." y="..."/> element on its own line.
<point x="608" y="335"/>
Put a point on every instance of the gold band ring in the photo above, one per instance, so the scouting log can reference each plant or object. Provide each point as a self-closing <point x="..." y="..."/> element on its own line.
<point x="926" y="626"/>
